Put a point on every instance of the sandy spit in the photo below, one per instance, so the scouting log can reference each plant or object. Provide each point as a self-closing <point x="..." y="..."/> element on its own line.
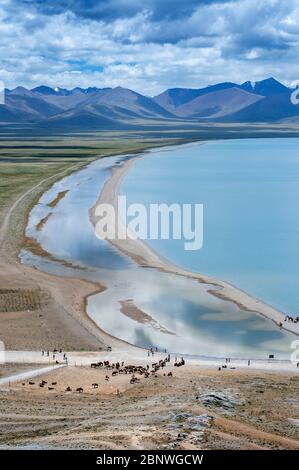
<point x="145" y="256"/>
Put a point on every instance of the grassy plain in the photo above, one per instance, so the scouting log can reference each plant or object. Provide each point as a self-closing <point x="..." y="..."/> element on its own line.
<point x="25" y="162"/>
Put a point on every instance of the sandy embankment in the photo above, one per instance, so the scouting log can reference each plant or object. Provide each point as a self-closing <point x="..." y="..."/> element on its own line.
<point x="145" y="256"/>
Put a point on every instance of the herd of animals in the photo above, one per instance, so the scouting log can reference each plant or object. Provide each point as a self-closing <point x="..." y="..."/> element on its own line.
<point x="118" y="368"/>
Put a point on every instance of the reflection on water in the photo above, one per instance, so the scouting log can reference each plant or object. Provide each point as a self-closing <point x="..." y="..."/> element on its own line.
<point x="68" y="232"/>
<point x="202" y="324"/>
<point x="199" y="322"/>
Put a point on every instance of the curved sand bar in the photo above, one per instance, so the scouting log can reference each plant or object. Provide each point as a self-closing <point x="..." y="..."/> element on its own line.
<point x="145" y="256"/>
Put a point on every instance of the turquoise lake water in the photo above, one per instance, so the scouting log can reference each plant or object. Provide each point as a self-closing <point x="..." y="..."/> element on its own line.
<point x="250" y="192"/>
<point x="246" y="189"/>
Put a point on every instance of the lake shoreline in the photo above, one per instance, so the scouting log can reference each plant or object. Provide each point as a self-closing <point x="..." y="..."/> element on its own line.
<point x="146" y="257"/>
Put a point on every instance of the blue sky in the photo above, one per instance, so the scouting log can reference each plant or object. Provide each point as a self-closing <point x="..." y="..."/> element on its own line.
<point x="147" y="45"/>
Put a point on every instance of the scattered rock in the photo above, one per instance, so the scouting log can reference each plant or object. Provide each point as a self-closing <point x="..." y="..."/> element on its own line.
<point x="181" y="416"/>
<point x="292" y="400"/>
<point x="294" y="421"/>
<point x="220" y="400"/>
<point x="181" y="436"/>
<point x="199" y="423"/>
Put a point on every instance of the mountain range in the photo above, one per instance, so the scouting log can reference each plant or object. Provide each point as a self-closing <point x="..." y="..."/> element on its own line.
<point x="116" y="108"/>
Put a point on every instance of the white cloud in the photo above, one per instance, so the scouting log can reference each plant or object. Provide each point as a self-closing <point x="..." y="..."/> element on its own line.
<point x="237" y="41"/>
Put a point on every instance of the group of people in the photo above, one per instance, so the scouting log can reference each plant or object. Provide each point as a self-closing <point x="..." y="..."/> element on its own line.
<point x="54" y="354"/>
<point x="290" y="319"/>
<point x="151" y="351"/>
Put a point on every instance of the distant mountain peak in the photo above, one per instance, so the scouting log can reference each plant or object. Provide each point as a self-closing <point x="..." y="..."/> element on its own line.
<point x="46" y="90"/>
<point x="266" y="100"/>
<point x="267" y="87"/>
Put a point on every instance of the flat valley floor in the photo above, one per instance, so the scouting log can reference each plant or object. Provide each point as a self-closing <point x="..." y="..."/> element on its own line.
<point x="197" y="408"/>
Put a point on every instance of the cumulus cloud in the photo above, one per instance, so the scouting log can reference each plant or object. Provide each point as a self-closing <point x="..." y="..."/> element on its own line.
<point x="147" y="45"/>
<point x="115" y="9"/>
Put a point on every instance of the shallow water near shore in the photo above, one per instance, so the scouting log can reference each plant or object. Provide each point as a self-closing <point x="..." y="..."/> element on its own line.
<point x="180" y="315"/>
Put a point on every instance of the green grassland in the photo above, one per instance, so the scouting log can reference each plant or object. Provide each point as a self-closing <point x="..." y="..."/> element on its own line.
<point x="24" y="161"/>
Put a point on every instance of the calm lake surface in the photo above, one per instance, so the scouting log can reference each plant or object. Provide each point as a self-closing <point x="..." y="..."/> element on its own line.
<point x="250" y="192"/>
<point x="248" y="189"/>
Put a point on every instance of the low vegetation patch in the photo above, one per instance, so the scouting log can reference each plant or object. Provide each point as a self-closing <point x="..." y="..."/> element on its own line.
<point x="19" y="300"/>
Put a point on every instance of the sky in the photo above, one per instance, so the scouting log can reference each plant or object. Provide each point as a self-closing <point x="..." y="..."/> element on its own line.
<point x="147" y="45"/>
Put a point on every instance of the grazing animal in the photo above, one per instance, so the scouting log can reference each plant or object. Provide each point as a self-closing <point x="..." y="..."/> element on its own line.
<point x="115" y="372"/>
<point x="95" y="385"/>
<point x="134" y="380"/>
<point x="93" y="365"/>
<point x="180" y="363"/>
<point x="50" y="388"/>
<point x="80" y="390"/>
<point x="31" y="383"/>
<point x="54" y="383"/>
<point x="107" y="378"/>
<point x="68" y="389"/>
